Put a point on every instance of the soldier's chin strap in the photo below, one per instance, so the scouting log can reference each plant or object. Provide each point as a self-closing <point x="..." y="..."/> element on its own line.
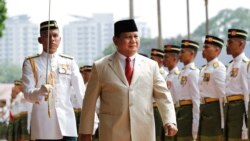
<point x="47" y="98"/>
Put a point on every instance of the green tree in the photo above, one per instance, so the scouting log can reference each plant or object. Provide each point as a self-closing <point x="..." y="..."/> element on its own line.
<point x="109" y="49"/>
<point x="3" y="16"/>
<point x="10" y="73"/>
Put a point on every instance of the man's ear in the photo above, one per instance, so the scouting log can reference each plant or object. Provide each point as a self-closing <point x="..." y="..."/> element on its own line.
<point x="114" y="40"/>
<point x="242" y="43"/>
<point x="39" y="40"/>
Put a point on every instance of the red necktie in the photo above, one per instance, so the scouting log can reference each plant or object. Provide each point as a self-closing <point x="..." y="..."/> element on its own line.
<point x="128" y="70"/>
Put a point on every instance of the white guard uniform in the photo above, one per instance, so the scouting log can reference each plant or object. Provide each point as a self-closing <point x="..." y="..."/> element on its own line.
<point x="172" y="83"/>
<point x="214" y="87"/>
<point x="163" y="72"/>
<point x="239" y="68"/>
<point x="189" y="90"/>
<point x="62" y="120"/>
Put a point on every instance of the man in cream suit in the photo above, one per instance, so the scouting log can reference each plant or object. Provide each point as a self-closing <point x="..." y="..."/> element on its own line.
<point x="126" y="101"/>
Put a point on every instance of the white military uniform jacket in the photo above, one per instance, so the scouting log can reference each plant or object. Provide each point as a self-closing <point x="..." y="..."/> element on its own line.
<point x="126" y="111"/>
<point x="62" y="121"/>
<point x="172" y="83"/>
<point x="189" y="90"/>
<point x="212" y="82"/>
<point x="163" y="72"/>
<point x="237" y="74"/>
<point x="4" y="114"/>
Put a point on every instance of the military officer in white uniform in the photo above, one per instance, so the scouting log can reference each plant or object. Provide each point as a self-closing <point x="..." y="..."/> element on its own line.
<point x="171" y="60"/>
<point x="187" y="110"/>
<point x="236" y="86"/>
<point x="212" y="91"/>
<point x="4" y="119"/>
<point x="158" y="56"/>
<point x="53" y="116"/>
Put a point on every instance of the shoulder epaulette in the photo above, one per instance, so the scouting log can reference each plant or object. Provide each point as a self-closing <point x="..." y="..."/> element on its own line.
<point x="66" y="56"/>
<point x="33" y="56"/>
<point x="215" y="65"/>
<point x="245" y="60"/>
<point x="231" y="61"/>
<point x="177" y="72"/>
<point x="248" y="66"/>
<point x="193" y="67"/>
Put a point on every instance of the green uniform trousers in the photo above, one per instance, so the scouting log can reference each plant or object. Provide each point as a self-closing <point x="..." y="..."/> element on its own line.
<point x="234" y="113"/>
<point x="184" y="123"/>
<point x="159" y="130"/>
<point x="23" y="131"/>
<point x="210" y="122"/>
<point x="3" y="130"/>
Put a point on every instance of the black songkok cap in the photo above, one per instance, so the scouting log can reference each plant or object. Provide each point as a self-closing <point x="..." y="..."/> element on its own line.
<point x="172" y="49"/>
<point x="190" y="44"/>
<point x="214" y="41"/>
<point x="157" y="52"/>
<point x="237" y="33"/>
<point x="46" y="25"/>
<point x="124" y="26"/>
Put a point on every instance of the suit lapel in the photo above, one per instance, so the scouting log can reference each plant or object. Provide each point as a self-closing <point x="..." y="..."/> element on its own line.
<point x="137" y="69"/>
<point x="115" y="66"/>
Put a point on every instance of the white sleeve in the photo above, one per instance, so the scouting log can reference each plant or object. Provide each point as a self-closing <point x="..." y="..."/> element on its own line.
<point x="30" y="92"/>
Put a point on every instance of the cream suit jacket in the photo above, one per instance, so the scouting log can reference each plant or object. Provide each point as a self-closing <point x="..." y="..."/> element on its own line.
<point x="126" y="111"/>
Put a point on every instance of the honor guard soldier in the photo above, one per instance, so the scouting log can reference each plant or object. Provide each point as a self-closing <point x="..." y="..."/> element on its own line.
<point x="187" y="110"/>
<point x="86" y="73"/>
<point x="24" y="112"/>
<point x="19" y="125"/>
<point x="158" y="56"/>
<point x="4" y="119"/>
<point x="76" y="103"/>
<point x="212" y="91"/>
<point x="48" y="80"/>
<point x="236" y="86"/>
<point x="171" y="60"/>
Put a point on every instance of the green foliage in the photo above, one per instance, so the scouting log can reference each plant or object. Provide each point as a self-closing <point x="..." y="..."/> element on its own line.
<point x="109" y="50"/>
<point x="146" y="45"/>
<point x="3" y="16"/>
<point x="9" y="73"/>
<point x="218" y="26"/>
<point x="224" y="20"/>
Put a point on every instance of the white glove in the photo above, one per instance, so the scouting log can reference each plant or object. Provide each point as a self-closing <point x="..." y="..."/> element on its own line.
<point x="45" y="89"/>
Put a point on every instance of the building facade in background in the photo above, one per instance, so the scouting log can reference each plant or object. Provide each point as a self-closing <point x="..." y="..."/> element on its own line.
<point x="84" y="38"/>
<point x="19" y="40"/>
